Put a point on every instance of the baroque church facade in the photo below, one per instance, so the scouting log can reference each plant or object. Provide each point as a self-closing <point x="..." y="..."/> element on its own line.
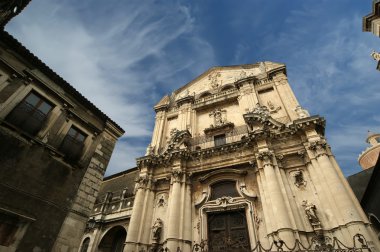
<point x="235" y="163"/>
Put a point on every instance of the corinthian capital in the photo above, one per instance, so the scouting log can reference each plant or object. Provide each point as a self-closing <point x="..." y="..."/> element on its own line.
<point x="319" y="147"/>
<point x="142" y="182"/>
<point x="176" y="176"/>
<point x="265" y="156"/>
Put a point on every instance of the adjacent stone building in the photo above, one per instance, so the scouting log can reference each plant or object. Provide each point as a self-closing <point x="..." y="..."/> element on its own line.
<point x="55" y="146"/>
<point x="235" y="163"/>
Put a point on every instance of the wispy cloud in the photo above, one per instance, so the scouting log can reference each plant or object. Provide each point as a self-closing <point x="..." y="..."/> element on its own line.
<point x="118" y="57"/>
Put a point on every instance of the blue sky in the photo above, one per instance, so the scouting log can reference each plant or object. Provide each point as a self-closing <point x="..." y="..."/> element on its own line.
<point x="125" y="55"/>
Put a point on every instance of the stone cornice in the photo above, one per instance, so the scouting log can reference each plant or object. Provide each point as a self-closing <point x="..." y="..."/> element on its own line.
<point x="184" y="100"/>
<point x="220" y="128"/>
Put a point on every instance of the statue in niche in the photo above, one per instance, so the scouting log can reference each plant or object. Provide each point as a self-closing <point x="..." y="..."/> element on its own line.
<point x="213" y="77"/>
<point x="161" y="201"/>
<point x="219" y="117"/>
<point x="301" y="112"/>
<point x="311" y="213"/>
<point x="299" y="179"/>
<point x="157" y="229"/>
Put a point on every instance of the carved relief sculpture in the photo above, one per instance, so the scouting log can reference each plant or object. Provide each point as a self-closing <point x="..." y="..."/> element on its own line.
<point x="214" y="82"/>
<point x="272" y="107"/>
<point x="311" y="213"/>
<point x="157" y="229"/>
<point x="261" y="110"/>
<point x="219" y="117"/>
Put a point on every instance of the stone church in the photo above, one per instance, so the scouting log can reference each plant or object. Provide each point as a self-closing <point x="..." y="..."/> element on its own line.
<point x="235" y="164"/>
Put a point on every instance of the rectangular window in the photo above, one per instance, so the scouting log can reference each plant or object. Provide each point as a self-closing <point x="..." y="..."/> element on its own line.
<point x="30" y="114"/>
<point x="219" y="140"/>
<point x="266" y="90"/>
<point x="73" y="143"/>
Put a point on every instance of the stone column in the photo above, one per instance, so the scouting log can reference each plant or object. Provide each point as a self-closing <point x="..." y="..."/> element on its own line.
<point x="350" y="216"/>
<point x="132" y="240"/>
<point x="343" y="201"/>
<point x="280" y="211"/>
<point x="175" y="211"/>
<point x="187" y="227"/>
<point x="147" y="214"/>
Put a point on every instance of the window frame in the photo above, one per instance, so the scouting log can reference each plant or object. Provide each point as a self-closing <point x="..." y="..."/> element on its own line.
<point x="220" y="139"/>
<point x="32" y="110"/>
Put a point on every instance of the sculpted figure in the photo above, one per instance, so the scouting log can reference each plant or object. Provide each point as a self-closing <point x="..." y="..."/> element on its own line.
<point x="156" y="229"/>
<point x="310" y="210"/>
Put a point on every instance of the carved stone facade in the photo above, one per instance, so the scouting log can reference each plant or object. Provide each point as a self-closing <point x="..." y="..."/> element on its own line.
<point x="269" y="176"/>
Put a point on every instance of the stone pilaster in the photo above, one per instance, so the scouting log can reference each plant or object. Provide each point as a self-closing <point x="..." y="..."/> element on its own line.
<point x="158" y="129"/>
<point x="173" y="235"/>
<point x="135" y="227"/>
<point x="281" y="221"/>
<point x="247" y="97"/>
<point x="286" y="95"/>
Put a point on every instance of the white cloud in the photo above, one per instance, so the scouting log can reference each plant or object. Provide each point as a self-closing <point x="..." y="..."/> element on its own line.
<point x="103" y="56"/>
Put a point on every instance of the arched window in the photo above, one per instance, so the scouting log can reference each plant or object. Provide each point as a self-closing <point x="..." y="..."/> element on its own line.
<point x="113" y="240"/>
<point x="85" y="245"/>
<point x="227" y="87"/>
<point x="205" y="94"/>
<point x="224" y="188"/>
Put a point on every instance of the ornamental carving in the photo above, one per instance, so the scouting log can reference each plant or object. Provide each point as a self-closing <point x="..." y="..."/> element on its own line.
<point x="219" y="117"/>
<point x="273" y="108"/>
<point x="214" y="82"/>
<point x="265" y="156"/>
<point x="319" y="145"/>
<point x="263" y="111"/>
<point x="311" y="214"/>
<point x="176" y="176"/>
<point x="142" y="182"/>
<point x="224" y="201"/>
